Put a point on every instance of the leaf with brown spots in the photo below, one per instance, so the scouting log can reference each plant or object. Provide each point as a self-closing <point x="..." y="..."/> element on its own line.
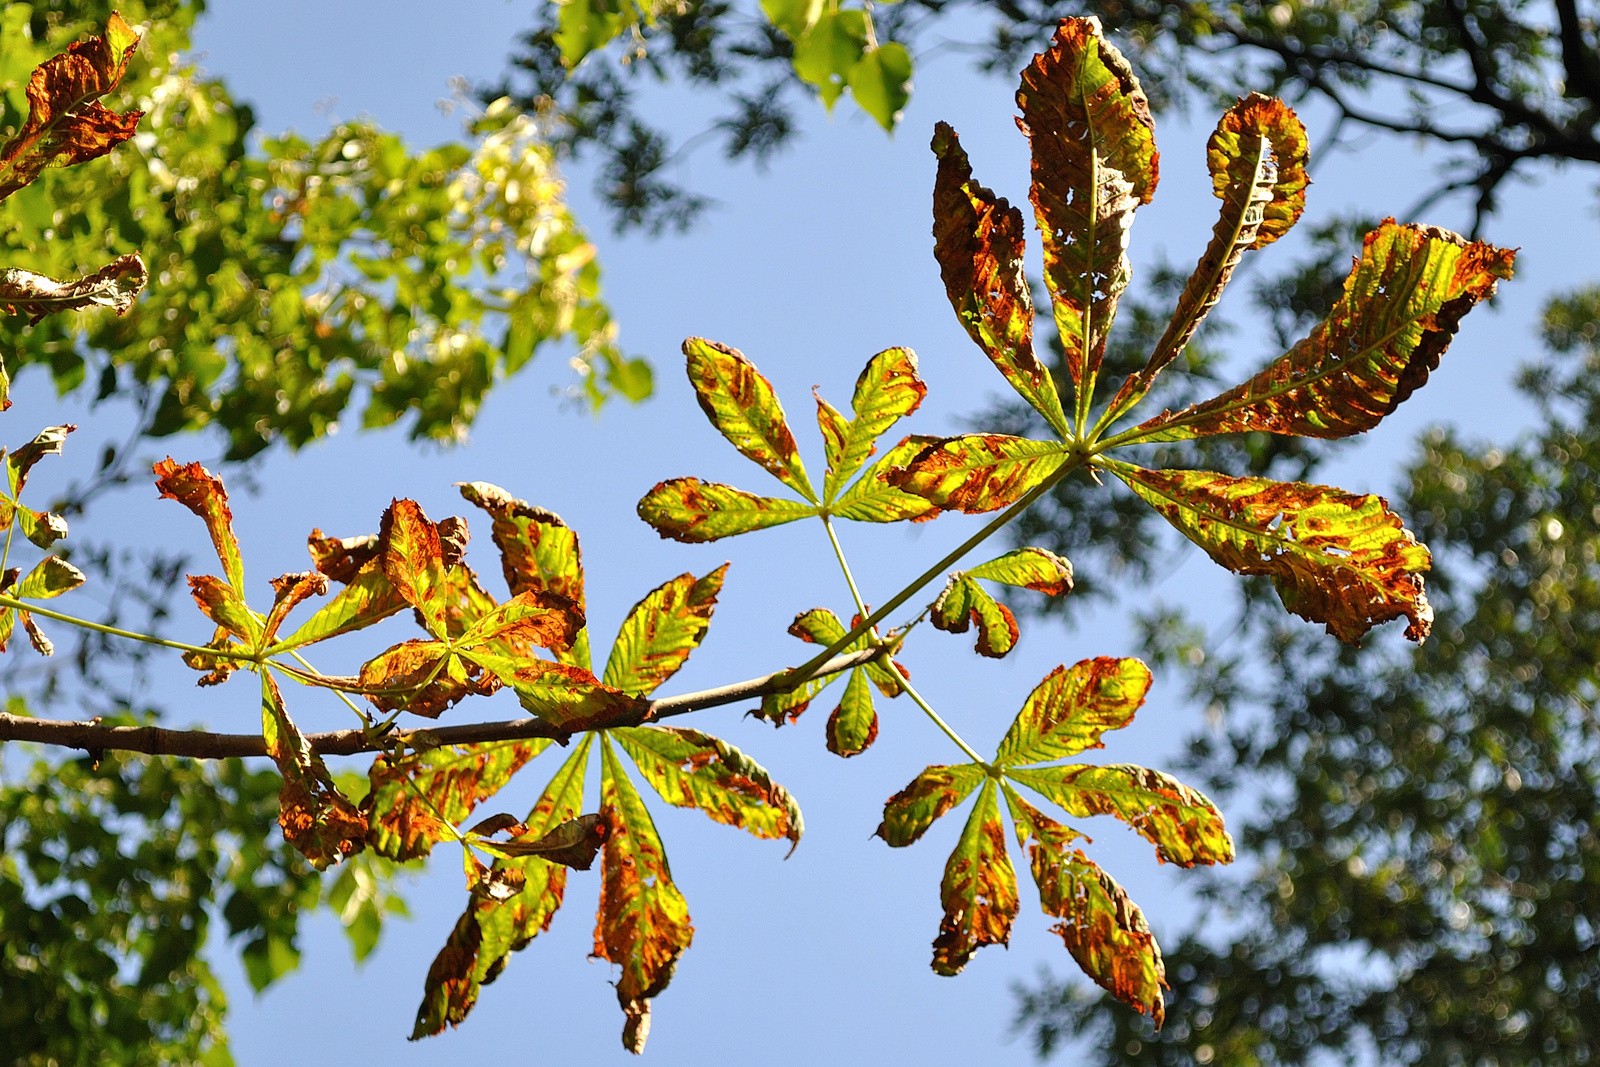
<point x="642" y="924"/>
<point x="450" y="989"/>
<point x="1028" y="568"/>
<point x="887" y="390"/>
<point x="412" y="555"/>
<point x="574" y="843"/>
<point x="288" y="591"/>
<point x="223" y="606"/>
<point x="692" y="511"/>
<point x="910" y="812"/>
<point x="423" y="677"/>
<point x="1335" y="557"/>
<point x="559" y="693"/>
<point x="1104" y="930"/>
<point x="781" y="709"/>
<point x="963" y="602"/>
<point x="1402" y="303"/>
<point x="978" y="472"/>
<point x="114" y="286"/>
<point x="48" y="442"/>
<point x="66" y="122"/>
<point x="416" y="799"/>
<point x="342" y="558"/>
<point x="1257" y="157"/>
<point x="690" y="769"/>
<point x="316" y="818"/>
<point x="743" y="406"/>
<point x="533" y="617"/>
<point x="1181" y="822"/>
<point x="979" y="242"/>
<point x="1068" y="711"/>
<point x="368" y="597"/>
<point x="202" y="493"/>
<point x="1094" y="162"/>
<point x="853" y="726"/>
<point x="874" y="497"/>
<point x="661" y="631"/>
<point x="979" y="890"/>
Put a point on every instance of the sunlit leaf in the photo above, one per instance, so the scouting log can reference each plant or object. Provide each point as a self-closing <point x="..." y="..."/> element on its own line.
<point x="978" y="472"/>
<point x="1028" y="568"/>
<point x="910" y="812"/>
<point x="368" y="598"/>
<point x="50" y="577"/>
<point x="1181" y="822"/>
<point x="202" y="493"/>
<point x="534" y="617"/>
<point x="1335" y="557"/>
<point x="1402" y="303"/>
<point x="559" y="693"/>
<point x="742" y="405"/>
<point x="413" y="560"/>
<point x="979" y="242"/>
<point x="66" y="122"/>
<point x="574" y="843"/>
<point x="642" y="924"/>
<point x="830" y="50"/>
<point x="1094" y="163"/>
<point x="113" y="286"/>
<point x="423" y="677"/>
<point x="660" y="632"/>
<point x="793" y="17"/>
<point x="692" y="511"/>
<point x="586" y="26"/>
<point x="36" y="637"/>
<point x="342" y="558"/>
<point x="48" y="442"/>
<point x="1068" y="711"/>
<point x="223" y="606"/>
<point x="887" y="390"/>
<point x="690" y="769"/>
<point x="316" y="818"/>
<point x="881" y="82"/>
<point x="963" y="602"/>
<point x="449" y="991"/>
<point x="417" y="799"/>
<point x="781" y="709"/>
<point x="1104" y="930"/>
<point x="979" y="890"/>
<point x="288" y="591"/>
<point x="853" y="726"/>
<point x="874" y="497"/>
<point x="43" y="528"/>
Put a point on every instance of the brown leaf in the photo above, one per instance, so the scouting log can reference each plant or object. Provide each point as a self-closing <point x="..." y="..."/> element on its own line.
<point x="341" y="558"/>
<point x="48" y="442"/>
<point x="66" y="123"/>
<point x="221" y="604"/>
<point x="979" y="890"/>
<point x="36" y="637"/>
<point x="203" y="493"/>
<point x="424" y="678"/>
<point x="114" y="286"/>
<point x="450" y="989"/>
<point x="573" y="843"/>
<point x="317" y="819"/>
<point x="288" y="591"/>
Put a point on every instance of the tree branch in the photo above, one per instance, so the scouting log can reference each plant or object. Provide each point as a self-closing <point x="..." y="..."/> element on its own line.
<point x="201" y="744"/>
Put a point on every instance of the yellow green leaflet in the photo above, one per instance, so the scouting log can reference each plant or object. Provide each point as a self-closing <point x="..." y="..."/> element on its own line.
<point x="1104" y="930"/>
<point x="532" y="617"/>
<point x="490" y="930"/>
<point x="1028" y="568"/>
<point x="742" y="405"/>
<point x="963" y="602"/>
<point x="874" y="497"/>
<point x="559" y="693"/>
<point x="223" y="606"/>
<point x="1402" y="303"/>
<point x="853" y="726"/>
<point x="781" y="709"/>
<point x="1069" y="711"/>
<point x="412" y="554"/>
<point x="979" y="890"/>
<point x="417" y="799"/>
<point x="692" y="511"/>
<point x="910" y="812"/>
<point x="1094" y="163"/>
<point x="1181" y="822"/>
<point x="196" y="489"/>
<point x="979" y="241"/>
<point x="369" y="598"/>
<point x="50" y="577"/>
<point x="690" y="769"/>
<point x="1335" y="557"/>
<point x="887" y="390"/>
<point x="43" y="528"/>
<point x="662" y="629"/>
<point x="978" y="472"/>
<point x="316" y="818"/>
<point x="643" y="922"/>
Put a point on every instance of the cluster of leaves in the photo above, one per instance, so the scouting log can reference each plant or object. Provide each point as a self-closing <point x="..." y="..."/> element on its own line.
<point x="1438" y="807"/>
<point x="285" y="280"/>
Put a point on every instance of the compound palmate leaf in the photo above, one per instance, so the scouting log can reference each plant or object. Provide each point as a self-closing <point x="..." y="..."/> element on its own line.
<point x="743" y="406"/>
<point x="692" y="511"/>
<point x="1336" y="558"/>
<point x="1402" y="303"/>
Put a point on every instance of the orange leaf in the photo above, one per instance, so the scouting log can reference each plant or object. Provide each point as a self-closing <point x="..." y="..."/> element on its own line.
<point x="288" y="591"/>
<point x="425" y="678"/>
<point x="979" y="889"/>
<point x="316" y="818"/>
<point x="415" y="799"/>
<point x="202" y="493"/>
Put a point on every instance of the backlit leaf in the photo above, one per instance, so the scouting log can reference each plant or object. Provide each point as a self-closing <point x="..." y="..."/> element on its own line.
<point x="793" y="17"/>
<point x="561" y="694"/>
<point x="1335" y="557"/>
<point x="660" y="632"/>
<point x="50" y="577"/>
<point x="368" y="598"/>
<point x="114" y="286"/>
<point x="574" y="843"/>
<point x="342" y="558"/>
<point x="43" y="528"/>
<point x="423" y="677"/>
<point x="978" y="472"/>
<point x="853" y="726"/>
<point x="222" y="605"/>
<point x="963" y="602"/>
<point x="910" y="812"/>
<point x="742" y="405"/>
<point x="874" y="497"/>
<point x="642" y="924"/>
<point x="533" y="617"/>
<point x="1094" y="163"/>
<point x="881" y="82"/>
<point x="979" y="890"/>
<point x="413" y="561"/>
<point x="36" y="637"/>
<point x="288" y="591"/>
<point x="66" y="122"/>
<point x="415" y="800"/>
<point x="1181" y="822"/>
<point x="1028" y="568"/>
<point x="449" y="991"/>
<point x="1104" y="930"/>
<point x="1402" y="303"/>
<point x="316" y="818"/>
<point x="830" y="51"/>
<point x="692" y="511"/>
<point x="887" y="390"/>
<point x="202" y="493"/>
<point x="690" y="769"/>
<point x="781" y="709"/>
<point x="1068" y="711"/>
<point x="48" y="442"/>
<point x="979" y="243"/>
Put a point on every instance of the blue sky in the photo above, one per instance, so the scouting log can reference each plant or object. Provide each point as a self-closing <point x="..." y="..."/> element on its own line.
<point x="810" y="269"/>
